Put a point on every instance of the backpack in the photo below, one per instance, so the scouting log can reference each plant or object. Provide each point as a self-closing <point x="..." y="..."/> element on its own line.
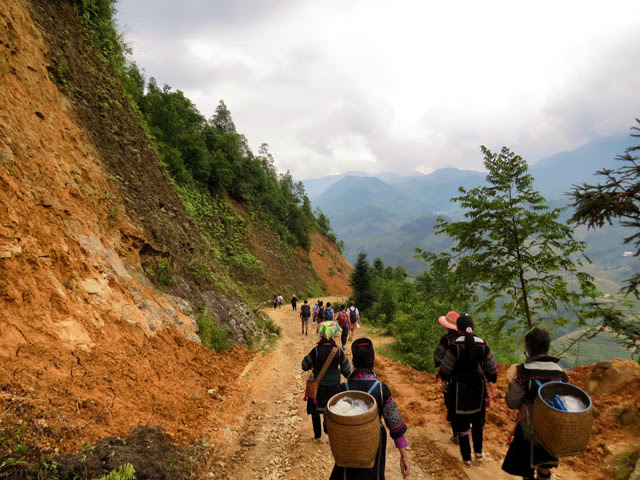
<point x="320" y="314"/>
<point x="353" y="316"/>
<point x="343" y="319"/>
<point x="328" y="314"/>
<point x="305" y="311"/>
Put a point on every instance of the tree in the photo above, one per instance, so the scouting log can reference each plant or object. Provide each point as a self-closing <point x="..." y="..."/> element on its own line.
<point x="513" y="248"/>
<point x="361" y="282"/>
<point x="222" y="120"/>
<point x="618" y="198"/>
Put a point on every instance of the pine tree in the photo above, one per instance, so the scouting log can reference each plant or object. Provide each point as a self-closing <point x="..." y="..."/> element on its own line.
<point x="617" y="199"/>
<point x="362" y="283"/>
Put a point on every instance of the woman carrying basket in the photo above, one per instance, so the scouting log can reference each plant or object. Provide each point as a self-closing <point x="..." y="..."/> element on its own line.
<point x="326" y="352"/>
<point x="525" y="456"/>
<point x="464" y="368"/>
<point x="364" y="379"/>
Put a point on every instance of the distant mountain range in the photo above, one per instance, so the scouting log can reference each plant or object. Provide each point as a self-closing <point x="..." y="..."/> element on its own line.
<point x="389" y="215"/>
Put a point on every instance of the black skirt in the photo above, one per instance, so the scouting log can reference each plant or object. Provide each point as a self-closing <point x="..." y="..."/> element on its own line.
<point x="325" y="392"/>
<point x="524" y="456"/>
<point x="374" y="473"/>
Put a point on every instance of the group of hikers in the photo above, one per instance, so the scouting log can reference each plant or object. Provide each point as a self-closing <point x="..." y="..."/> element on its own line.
<point x="347" y="318"/>
<point x="468" y="371"/>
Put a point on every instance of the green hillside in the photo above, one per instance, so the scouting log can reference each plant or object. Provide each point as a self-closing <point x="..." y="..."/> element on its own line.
<point x="605" y="346"/>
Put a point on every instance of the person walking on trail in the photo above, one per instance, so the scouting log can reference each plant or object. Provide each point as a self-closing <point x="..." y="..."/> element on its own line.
<point x="315" y="361"/>
<point x="343" y="321"/>
<point x="305" y="314"/>
<point x="275" y="301"/>
<point x="294" y="303"/>
<point x="525" y="457"/>
<point x="467" y="363"/>
<point x="364" y="379"/>
<point x="354" y="319"/>
<point x="328" y="312"/>
<point x="316" y="306"/>
<point x="320" y="312"/>
<point x="280" y="301"/>
<point x="448" y="321"/>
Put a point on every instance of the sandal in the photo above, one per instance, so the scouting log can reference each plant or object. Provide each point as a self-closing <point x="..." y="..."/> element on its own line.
<point x="478" y="457"/>
<point x="464" y="463"/>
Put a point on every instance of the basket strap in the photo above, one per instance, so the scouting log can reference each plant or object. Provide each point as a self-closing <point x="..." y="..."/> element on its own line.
<point x="373" y="386"/>
<point x="326" y="364"/>
<point x="346" y="385"/>
<point x="550" y="381"/>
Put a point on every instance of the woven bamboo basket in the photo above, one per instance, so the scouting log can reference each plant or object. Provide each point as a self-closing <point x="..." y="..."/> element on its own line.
<point x="354" y="439"/>
<point x="561" y="433"/>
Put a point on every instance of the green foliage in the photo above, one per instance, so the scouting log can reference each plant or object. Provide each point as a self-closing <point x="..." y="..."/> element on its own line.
<point x="617" y="199"/>
<point x="222" y="229"/>
<point x="268" y="333"/>
<point x="13" y="443"/>
<point x="624" y="464"/>
<point x="212" y="156"/>
<point x="512" y="254"/>
<point x="212" y="336"/>
<point x="200" y="271"/>
<point x="361" y="282"/>
<point x="99" y="18"/>
<point x="417" y="335"/>
<point x="123" y="472"/>
<point x="164" y="273"/>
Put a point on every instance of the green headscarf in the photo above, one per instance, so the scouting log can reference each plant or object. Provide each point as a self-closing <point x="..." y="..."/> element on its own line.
<point x="329" y="330"/>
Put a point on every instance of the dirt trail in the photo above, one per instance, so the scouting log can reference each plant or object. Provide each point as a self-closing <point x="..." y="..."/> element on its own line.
<point x="270" y="436"/>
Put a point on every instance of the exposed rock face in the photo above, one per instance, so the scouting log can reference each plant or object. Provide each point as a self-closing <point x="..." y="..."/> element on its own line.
<point x="90" y="346"/>
<point x="610" y="377"/>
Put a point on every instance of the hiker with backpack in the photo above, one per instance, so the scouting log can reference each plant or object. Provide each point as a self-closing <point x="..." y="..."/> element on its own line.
<point x="469" y="372"/>
<point x="328" y="312"/>
<point x="354" y="319"/>
<point x="527" y="458"/>
<point x="448" y="321"/>
<point x="326" y="361"/>
<point x="343" y="321"/>
<point x="294" y="303"/>
<point x="280" y="301"/>
<point x="316" y="306"/>
<point x="305" y="314"/>
<point x="274" y="300"/>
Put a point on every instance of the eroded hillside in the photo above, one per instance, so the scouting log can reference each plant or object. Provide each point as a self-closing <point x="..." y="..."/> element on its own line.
<point x="90" y="346"/>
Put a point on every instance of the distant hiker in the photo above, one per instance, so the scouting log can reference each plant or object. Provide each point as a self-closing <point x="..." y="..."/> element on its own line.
<point x="305" y="314"/>
<point x="275" y="301"/>
<point x="364" y="379"/>
<point x="328" y="312"/>
<point x="354" y="319"/>
<point x="524" y="458"/>
<point x="294" y="302"/>
<point x="330" y="381"/>
<point x="320" y="312"/>
<point x="280" y="301"/>
<point x="316" y="306"/>
<point x="343" y="321"/>
<point x="449" y="322"/>
<point x="465" y="366"/>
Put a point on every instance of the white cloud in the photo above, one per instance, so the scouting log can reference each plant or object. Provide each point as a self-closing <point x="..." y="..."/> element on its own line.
<point x="373" y="85"/>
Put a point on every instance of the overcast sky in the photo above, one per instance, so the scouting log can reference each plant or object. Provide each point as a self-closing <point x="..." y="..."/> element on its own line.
<point x="398" y="86"/>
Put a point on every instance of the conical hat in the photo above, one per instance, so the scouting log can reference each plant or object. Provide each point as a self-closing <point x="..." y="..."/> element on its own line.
<point x="449" y="320"/>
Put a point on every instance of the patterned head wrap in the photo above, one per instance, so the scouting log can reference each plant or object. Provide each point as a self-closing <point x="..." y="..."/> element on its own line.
<point x="329" y="330"/>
